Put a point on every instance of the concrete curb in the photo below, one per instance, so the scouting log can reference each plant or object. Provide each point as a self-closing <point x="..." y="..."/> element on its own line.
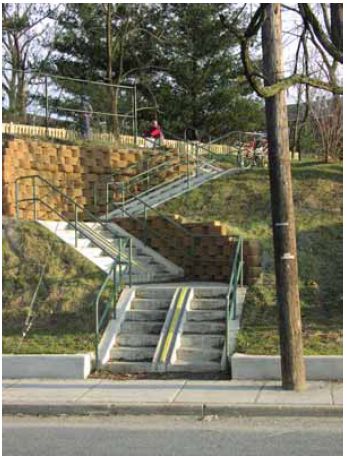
<point x="50" y="366"/>
<point x="268" y="367"/>
<point x="172" y="409"/>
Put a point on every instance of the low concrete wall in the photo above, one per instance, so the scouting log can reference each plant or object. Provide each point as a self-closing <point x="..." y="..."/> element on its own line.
<point x="321" y="368"/>
<point x="74" y="366"/>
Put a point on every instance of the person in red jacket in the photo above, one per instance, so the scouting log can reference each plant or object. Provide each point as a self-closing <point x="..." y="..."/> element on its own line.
<point x="154" y="135"/>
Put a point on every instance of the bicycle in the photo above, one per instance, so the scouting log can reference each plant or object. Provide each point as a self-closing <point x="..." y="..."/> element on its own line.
<point x="255" y="157"/>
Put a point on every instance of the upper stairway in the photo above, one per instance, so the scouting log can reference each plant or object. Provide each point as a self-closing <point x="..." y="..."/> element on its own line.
<point x="164" y="176"/>
<point x="162" y="193"/>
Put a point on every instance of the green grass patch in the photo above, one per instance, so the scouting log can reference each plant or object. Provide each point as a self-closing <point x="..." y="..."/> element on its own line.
<point x="59" y="318"/>
<point x="243" y="202"/>
<point x="47" y="342"/>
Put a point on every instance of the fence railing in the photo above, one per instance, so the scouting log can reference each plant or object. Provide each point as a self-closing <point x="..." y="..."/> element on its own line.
<point x="77" y="105"/>
<point x="70" y="135"/>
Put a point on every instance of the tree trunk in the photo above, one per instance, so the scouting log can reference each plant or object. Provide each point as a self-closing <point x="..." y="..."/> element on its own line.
<point x="297" y="122"/>
<point x="114" y="117"/>
<point x="292" y="362"/>
<point x="336" y="13"/>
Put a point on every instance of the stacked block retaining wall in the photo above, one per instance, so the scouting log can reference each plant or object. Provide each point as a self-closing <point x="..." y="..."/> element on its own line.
<point x="80" y="172"/>
<point x="205" y="256"/>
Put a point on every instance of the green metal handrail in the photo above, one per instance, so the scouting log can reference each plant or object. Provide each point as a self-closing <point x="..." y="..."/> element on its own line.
<point x="116" y="276"/>
<point x="148" y="175"/>
<point x="121" y="265"/>
<point x="99" y="241"/>
<point x="236" y="278"/>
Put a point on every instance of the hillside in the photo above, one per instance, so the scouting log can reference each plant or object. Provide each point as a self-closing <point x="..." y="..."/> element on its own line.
<point x="244" y="203"/>
<point x="62" y="311"/>
<point x="63" y="314"/>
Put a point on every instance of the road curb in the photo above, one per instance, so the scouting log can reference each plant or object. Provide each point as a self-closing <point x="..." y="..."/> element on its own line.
<point x="200" y="410"/>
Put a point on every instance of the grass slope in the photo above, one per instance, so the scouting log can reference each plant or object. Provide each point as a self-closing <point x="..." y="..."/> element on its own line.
<point x="243" y="202"/>
<point x="63" y="311"/>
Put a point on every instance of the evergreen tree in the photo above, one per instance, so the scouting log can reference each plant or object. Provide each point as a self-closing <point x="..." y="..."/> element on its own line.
<point x="201" y="86"/>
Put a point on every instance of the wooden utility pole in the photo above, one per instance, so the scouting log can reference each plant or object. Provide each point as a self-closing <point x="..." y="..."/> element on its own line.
<point x="292" y="362"/>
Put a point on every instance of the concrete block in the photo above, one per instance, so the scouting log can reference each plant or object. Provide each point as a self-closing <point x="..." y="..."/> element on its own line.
<point x="268" y="367"/>
<point x="74" y="366"/>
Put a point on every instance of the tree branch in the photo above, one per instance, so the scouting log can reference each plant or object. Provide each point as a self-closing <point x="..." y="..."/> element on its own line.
<point x="322" y="37"/>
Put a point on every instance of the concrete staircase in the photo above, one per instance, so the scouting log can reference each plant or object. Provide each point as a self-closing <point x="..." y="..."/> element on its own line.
<point x="157" y="332"/>
<point x="99" y="245"/>
<point x="166" y="191"/>
<point x="202" y="333"/>
<point x="140" y="330"/>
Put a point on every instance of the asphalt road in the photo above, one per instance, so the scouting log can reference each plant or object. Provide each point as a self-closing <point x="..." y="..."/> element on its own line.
<point x="170" y="436"/>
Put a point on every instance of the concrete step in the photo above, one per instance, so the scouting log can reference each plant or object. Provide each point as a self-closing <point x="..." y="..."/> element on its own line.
<point x="209" y="328"/>
<point x="189" y="367"/>
<point x="145" y="259"/>
<point x="210" y="292"/>
<point x="204" y="315"/>
<point x="202" y="341"/>
<point x="91" y="252"/>
<point x="208" y="303"/>
<point x="127" y="339"/>
<point x="155" y="293"/>
<point x="141" y="327"/>
<point x="55" y="226"/>
<point x="118" y="367"/>
<point x="145" y="315"/>
<point x="70" y="239"/>
<point x="103" y="262"/>
<point x="146" y="304"/>
<point x="132" y="354"/>
<point x="190" y="354"/>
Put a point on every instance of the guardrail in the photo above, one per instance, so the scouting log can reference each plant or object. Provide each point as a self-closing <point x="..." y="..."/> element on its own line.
<point x="116" y="277"/>
<point x="236" y="278"/>
<point x="79" y="227"/>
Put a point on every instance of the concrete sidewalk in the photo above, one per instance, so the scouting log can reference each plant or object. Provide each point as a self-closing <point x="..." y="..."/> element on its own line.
<point x="189" y="397"/>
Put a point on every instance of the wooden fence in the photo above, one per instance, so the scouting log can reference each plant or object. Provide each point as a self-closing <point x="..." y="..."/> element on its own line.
<point x="69" y="135"/>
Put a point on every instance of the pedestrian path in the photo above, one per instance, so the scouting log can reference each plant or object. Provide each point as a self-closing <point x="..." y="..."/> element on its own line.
<point x="150" y="396"/>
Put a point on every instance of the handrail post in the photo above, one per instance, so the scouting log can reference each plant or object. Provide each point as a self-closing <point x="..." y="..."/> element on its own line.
<point x="16" y="191"/>
<point x="123" y="198"/>
<point x="76" y="242"/>
<point x="241" y="260"/>
<point x="34" y="197"/>
<point x="145" y="223"/>
<point x="97" y="363"/>
<point x="130" y="261"/>
<point x="47" y="107"/>
<point x="196" y="159"/>
<point x="228" y="327"/>
<point x="135" y="114"/>
<point x="234" y="297"/>
<point x="187" y="160"/>
<point x="114" y="289"/>
<point x="107" y="200"/>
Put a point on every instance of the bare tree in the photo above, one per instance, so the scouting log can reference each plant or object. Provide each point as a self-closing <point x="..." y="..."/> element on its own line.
<point x="327" y="120"/>
<point x="23" y="34"/>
